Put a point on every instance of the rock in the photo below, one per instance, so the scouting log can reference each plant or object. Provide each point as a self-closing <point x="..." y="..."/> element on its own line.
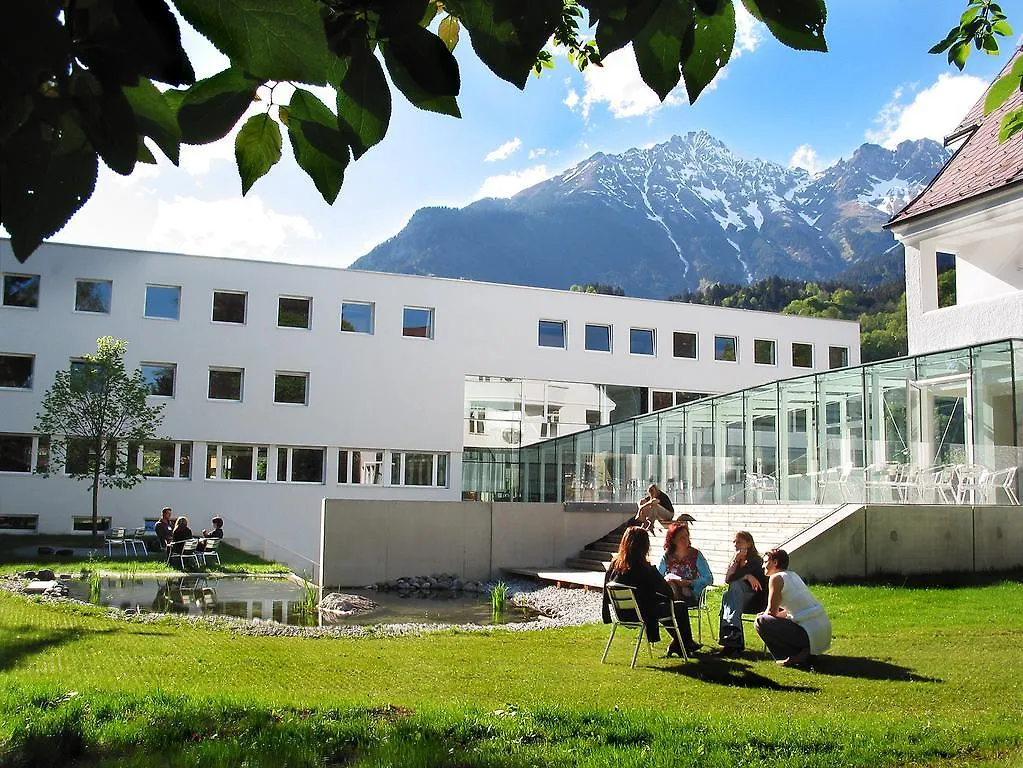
<point x="30" y="575"/>
<point x="65" y="577"/>
<point x="45" y="574"/>
<point x="39" y="587"/>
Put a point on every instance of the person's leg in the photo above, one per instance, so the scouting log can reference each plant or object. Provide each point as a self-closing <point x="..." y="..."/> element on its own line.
<point x="732" y="604"/>
<point x="783" y="637"/>
<point x="682" y="617"/>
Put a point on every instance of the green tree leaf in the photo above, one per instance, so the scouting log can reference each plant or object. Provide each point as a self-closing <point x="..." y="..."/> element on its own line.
<point x="423" y="69"/>
<point x="270" y="39"/>
<point x="507" y="35"/>
<point x="364" y="102"/>
<point x="658" y="45"/>
<point x="319" y="146"/>
<point x="710" y="47"/>
<point x="257" y="147"/>
<point x="154" y="117"/>
<point x="46" y="175"/>
<point x="35" y="47"/>
<point x="144" y="154"/>
<point x="107" y="119"/>
<point x="798" y="24"/>
<point x="1012" y="124"/>
<point x="1000" y="91"/>
<point x="211" y="107"/>
<point x="621" y="22"/>
<point x="448" y="31"/>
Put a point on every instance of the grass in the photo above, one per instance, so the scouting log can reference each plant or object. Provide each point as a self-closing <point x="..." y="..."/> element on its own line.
<point x="922" y="677"/>
<point x="13" y="559"/>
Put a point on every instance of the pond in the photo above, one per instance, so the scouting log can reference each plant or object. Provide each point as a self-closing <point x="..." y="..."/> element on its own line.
<point x="281" y="600"/>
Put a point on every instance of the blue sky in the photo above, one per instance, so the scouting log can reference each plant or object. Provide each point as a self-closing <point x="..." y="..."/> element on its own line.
<point x="877" y="83"/>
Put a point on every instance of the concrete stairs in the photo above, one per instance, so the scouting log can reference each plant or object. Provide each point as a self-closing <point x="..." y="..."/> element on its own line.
<point x="771" y="525"/>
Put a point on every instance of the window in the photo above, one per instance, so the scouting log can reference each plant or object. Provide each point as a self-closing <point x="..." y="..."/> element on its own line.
<point x="16" y="453"/>
<point x="360" y="467"/>
<point x="163" y="301"/>
<point x="300" y="465"/>
<point x="552" y="333"/>
<point x="765" y="352"/>
<point x="417" y="322"/>
<point x="226" y="383"/>
<point x="162" y="458"/>
<point x="229" y="307"/>
<point x="802" y="355"/>
<point x="726" y="348"/>
<point x="598" y="338"/>
<point x="688" y="397"/>
<point x="294" y="312"/>
<point x="661" y="400"/>
<point x="86" y="377"/>
<point x="684" y="345"/>
<point x="19" y="522"/>
<point x="592" y="418"/>
<point x="80" y="523"/>
<point x="477" y="421"/>
<point x="838" y="357"/>
<point x="945" y="266"/>
<point x="291" y="388"/>
<point x="357" y="317"/>
<point x="236" y="462"/>
<point x="159" y="377"/>
<point x="641" y="341"/>
<point x="93" y="296"/>
<point x="21" y="291"/>
<point x="422" y="469"/>
<point x="80" y="454"/>
<point x="16" y="371"/>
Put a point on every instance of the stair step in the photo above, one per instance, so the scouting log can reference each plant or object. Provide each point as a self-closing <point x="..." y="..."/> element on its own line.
<point x="586" y="565"/>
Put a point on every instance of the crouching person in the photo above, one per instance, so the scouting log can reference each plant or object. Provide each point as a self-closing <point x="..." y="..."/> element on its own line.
<point x="795" y="626"/>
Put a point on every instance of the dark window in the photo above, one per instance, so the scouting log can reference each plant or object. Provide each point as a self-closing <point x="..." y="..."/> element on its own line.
<point x="93" y="295"/>
<point x="684" y="345"/>
<point x="417" y="322"/>
<point x="229" y="307"/>
<point x="291" y="388"/>
<point x="764" y="352"/>
<point x="592" y="418"/>
<point x="16" y="371"/>
<point x="225" y="384"/>
<point x="598" y="338"/>
<point x="357" y="317"/>
<point x="306" y="465"/>
<point x="163" y="301"/>
<point x="19" y="522"/>
<point x="662" y="400"/>
<point x="159" y="377"/>
<point x="84" y="523"/>
<point x="688" y="397"/>
<point x="552" y="333"/>
<point x="15" y="453"/>
<point x="641" y="341"/>
<point x="726" y="348"/>
<point x="838" y="357"/>
<point x="802" y="355"/>
<point x="946" y="269"/>
<point x="21" y="290"/>
<point x="294" y="313"/>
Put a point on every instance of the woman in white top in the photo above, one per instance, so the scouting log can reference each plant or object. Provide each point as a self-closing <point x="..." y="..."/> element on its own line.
<point x="795" y="626"/>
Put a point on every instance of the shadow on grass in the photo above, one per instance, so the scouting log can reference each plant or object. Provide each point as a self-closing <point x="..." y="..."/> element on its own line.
<point x="724" y="671"/>
<point x="867" y="669"/>
<point x="20" y="642"/>
<point x="949" y="580"/>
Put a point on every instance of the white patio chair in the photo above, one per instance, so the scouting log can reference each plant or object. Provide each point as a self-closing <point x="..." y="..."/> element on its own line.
<point x="138" y="540"/>
<point x="625" y="613"/>
<point x="939" y="481"/>
<point x="182" y="550"/>
<point x="209" y="551"/>
<point x="1003" y="479"/>
<point x="115" y="538"/>
<point x="971" y="479"/>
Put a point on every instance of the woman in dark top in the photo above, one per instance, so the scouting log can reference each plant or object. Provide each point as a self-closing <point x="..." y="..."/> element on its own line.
<point x="181" y="533"/>
<point x="629" y="566"/>
<point x="747" y="593"/>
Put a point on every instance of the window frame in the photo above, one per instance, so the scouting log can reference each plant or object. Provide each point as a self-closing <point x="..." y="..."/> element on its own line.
<point x="226" y="292"/>
<point x="226" y="369"/>
<point x="217" y="467"/>
<point x="402" y="468"/>
<point x="610" y="337"/>
<point x="304" y="375"/>
<point x="349" y="463"/>
<point x="82" y="524"/>
<point x="174" y="376"/>
<point x="735" y="348"/>
<point x="179" y="454"/>
<point x="31" y="374"/>
<point x="35" y="451"/>
<point x="288" y="452"/>
<point x="564" y="334"/>
<point x="431" y="328"/>
<point x="832" y="348"/>
<point x="145" y="303"/>
<point x="110" y="299"/>
<point x="653" y="341"/>
<point x="372" y="317"/>
<point x="309" y="312"/>
<point x="696" y="345"/>
<point x="812" y="355"/>
<point x="19" y="529"/>
<point x="774" y="351"/>
<point x="38" y="289"/>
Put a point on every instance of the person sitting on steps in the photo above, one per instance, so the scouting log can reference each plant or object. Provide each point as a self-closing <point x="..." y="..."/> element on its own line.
<point x="654" y="507"/>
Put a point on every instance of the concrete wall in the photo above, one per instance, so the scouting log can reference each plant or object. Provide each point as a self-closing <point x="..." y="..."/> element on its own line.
<point x="365" y="542"/>
<point x="878" y="540"/>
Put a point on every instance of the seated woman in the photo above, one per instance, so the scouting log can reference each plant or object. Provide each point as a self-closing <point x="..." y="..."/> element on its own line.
<point x="629" y="566"/>
<point x="181" y="533"/>
<point x="795" y="626"/>
<point x="686" y="570"/>
<point x="747" y="593"/>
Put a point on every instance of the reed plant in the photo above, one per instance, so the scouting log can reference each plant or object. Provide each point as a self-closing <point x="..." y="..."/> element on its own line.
<point x="498" y="600"/>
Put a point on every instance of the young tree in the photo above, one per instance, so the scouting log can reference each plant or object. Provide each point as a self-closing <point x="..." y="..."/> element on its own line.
<point x="92" y="409"/>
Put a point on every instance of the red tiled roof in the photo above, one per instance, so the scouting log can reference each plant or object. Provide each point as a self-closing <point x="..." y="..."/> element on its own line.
<point x="980" y="165"/>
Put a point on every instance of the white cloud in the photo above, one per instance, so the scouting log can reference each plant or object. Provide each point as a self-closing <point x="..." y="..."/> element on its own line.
<point x="508" y="184"/>
<point x="933" y="113"/>
<point x="618" y="85"/>
<point x="538" y="152"/>
<point x="504" y="151"/>
<point x="240" y="227"/>
<point x="806" y="157"/>
<point x="749" y="33"/>
<point x="572" y="99"/>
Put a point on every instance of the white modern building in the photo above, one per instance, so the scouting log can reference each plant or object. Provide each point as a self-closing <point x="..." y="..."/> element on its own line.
<point x="286" y="384"/>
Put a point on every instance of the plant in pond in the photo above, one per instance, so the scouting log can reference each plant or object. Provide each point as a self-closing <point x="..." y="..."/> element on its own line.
<point x="95" y="588"/>
<point x="498" y="599"/>
<point x="310" y="601"/>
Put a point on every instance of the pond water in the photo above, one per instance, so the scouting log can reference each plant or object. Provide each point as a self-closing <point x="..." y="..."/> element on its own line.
<point x="282" y="601"/>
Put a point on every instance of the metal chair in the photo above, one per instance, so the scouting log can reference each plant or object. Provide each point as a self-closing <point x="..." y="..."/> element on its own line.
<point x="182" y="550"/>
<point x="115" y="537"/>
<point x="1004" y="479"/>
<point x="209" y="550"/>
<point x="972" y="477"/>
<point x="138" y="539"/>
<point x="625" y="613"/>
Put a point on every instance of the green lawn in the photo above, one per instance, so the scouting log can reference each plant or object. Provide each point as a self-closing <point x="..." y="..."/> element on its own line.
<point x="916" y="677"/>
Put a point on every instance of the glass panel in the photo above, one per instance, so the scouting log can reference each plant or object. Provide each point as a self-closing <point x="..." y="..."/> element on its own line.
<point x="159" y="378"/>
<point x="185" y="463"/>
<point x="21" y="290"/>
<point x="237" y="463"/>
<point x="798" y="474"/>
<point x="417" y="322"/>
<point x="282" y="465"/>
<point x="261" y="462"/>
<point x="802" y="355"/>
<point x="684" y="344"/>
<point x="163" y="301"/>
<point x="16" y="371"/>
<point x="291" y="388"/>
<point x="307" y="465"/>
<point x="699" y="469"/>
<point x="661" y="400"/>
<point x="552" y="333"/>
<point x="598" y="338"/>
<point x="342" y="467"/>
<point x="157" y="459"/>
<point x="357" y="317"/>
<point x="228" y="307"/>
<point x="764" y="352"/>
<point x="15" y="453"/>
<point x="442" y="470"/>
<point x="395" y="469"/>
<point x="225" y="385"/>
<point x="726" y="348"/>
<point x="294" y="312"/>
<point x="93" y="295"/>
<point x="641" y="341"/>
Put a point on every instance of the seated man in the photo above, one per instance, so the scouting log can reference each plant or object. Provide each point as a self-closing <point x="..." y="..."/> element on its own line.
<point x="654" y="507"/>
<point x="162" y="529"/>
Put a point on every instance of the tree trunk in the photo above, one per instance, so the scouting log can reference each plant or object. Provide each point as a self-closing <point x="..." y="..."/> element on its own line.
<point x="95" y="501"/>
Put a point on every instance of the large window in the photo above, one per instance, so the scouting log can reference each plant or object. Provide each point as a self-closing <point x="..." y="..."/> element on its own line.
<point x="83" y="523"/>
<point x="16" y="453"/>
<point x="945" y="266"/>
<point x="79" y="455"/>
<point x="226" y="383"/>
<point x="159" y="377"/>
<point x="417" y="322"/>
<point x="357" y="317"/>
<point x="294" y="312"/>
<point x="765" y="352"/>
<point x="684" y="345"/>
<point x="300" y="465"/>
<point x="641" y="341"/>
<point x="163" y="458"/>
<point x="660" y="400"/>
<point x="16" y="371"/>
<point x="429" y="469"/>
<point x="598" y="338"/>
<point x="291" y="387"/>
<point x="93" y="296"/>
<point x="802" y="355"/>
<point x="360" y="467"/>
<point x="726" y="348"/>
<point x="229" y="307"/>
<point x="21" y="291"/>
<point x="552" y="333"/>
<point x="19" y="522"/>
<point x="236" y="462"/>
<point x="838" y="357"/>
<point x="163" y="302"/>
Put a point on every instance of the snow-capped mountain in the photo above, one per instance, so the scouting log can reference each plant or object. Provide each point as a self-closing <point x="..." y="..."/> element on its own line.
<point x="662" y="220"/>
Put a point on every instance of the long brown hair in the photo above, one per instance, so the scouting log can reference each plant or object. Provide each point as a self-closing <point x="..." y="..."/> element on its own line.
<point x="632" y="551"/>
<point x="752" y="544"/>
